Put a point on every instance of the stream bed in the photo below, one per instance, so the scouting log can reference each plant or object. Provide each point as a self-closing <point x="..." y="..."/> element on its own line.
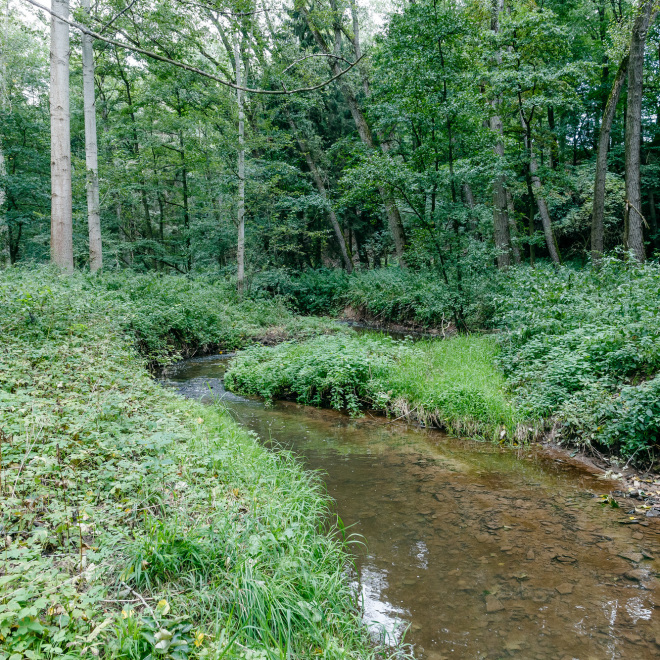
<point x="478" y="551"/>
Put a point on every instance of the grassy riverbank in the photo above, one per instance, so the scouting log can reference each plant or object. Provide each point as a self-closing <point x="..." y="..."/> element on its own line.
<point x="575" y="356"/>
<point x="452" y="384"/>
<point x="136" y="522"/>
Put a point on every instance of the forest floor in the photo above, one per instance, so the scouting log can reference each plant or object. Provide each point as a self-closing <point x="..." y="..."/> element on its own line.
<point x="135" y="521"/>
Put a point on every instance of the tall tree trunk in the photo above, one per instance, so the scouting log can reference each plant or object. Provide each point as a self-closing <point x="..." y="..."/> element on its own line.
<point x="4" y="245"/>
<point x="61" y="219"/>
<point x="320" y="186"/>
<point x="5" y="254"/>
<point x="240" y="246"/>
<point x="501" y="232"/>
<point x="513" y="229"/>
<point x="550" y="240"/>
<point x="598" y="213"/>
<point x="91" y="152"/>
<point x="395" y="224"/>
<point x="633" y="238"/>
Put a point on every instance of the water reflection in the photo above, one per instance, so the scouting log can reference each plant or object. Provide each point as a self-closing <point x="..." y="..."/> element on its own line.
<point x="483" y="554"/>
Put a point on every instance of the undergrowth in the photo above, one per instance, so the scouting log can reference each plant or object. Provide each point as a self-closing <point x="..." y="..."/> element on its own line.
<point x="581" y="348"/>
<point x="451" y="384"/>
<point x="420" y="299"/>
<point x="137" y="524"/>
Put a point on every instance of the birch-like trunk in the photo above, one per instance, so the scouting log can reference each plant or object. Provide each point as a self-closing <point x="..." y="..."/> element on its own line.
<point x="633" y="238"/>
<point x="4" y="237"/>
<point x="598" y="213"/>
<point x="91" y="152"/>
<point x="4" y="229"/>
<point x="240" y="245"/>
<point x="61" y="219"/>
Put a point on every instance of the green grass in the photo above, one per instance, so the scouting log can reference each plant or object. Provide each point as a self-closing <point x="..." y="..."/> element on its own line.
<point x="454" y="384"/>
<point x="451" y="384"/>
<point x="135" y="522"/>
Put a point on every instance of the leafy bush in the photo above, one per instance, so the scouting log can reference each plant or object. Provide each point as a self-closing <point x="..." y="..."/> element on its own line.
<point x="580" y="346"/>
<point x="338" y="371"/>
<point x="387" y="295"/>
<point x="171" y="314"/>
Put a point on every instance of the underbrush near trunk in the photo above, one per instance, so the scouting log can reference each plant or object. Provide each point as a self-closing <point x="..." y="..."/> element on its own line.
<point x="418" y="299"/>
<point x="451" y="384"/>
<point x="137" y="524"/>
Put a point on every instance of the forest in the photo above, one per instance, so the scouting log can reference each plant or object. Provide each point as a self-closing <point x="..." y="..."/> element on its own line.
<point x="390" y="218"/>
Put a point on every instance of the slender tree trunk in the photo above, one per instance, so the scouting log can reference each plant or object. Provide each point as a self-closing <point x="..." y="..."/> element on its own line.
<point x="355" y="249"/>
<point x="550" y="240"/>
<point x="5" y="253"/>
<point x="653" y="218"/>
<point x="598" y="213"/>
<point x="320" y="186"/>
<point x="633" y="238"/>
<point x="501" y="232"/>
<point x="61" y="222"/>
<point x="4" y="245"/>
<point x="91" y="152"/>
<point x="240" y="246"/>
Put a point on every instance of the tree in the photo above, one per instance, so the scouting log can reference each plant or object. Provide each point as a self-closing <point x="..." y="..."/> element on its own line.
<point x="633" y="235"/>
<point x="240" y="250"/>
<point x="362" y="125"/>
<point x="61" y="227"/>
<point x="597" y="229"/>
<point x="91" y="152"/>
<point x="500" y="209"/>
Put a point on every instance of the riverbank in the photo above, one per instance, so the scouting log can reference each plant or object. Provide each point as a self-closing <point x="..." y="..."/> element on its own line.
<point x="452" y="385"/>
<point x="576" y="357"/>
<point x="137" y="522"/>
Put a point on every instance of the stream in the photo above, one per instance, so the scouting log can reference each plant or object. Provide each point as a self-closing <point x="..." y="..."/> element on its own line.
<point x="476" y="550"/>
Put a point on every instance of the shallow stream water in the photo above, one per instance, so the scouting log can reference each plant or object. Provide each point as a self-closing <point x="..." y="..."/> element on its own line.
<point x="478" y="551"/>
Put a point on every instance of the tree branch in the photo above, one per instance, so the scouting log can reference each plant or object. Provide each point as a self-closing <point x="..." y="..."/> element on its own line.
<point x="187" y="67"/>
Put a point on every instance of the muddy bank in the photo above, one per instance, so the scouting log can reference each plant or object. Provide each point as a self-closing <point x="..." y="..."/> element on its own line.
<point x="359" y="318"/>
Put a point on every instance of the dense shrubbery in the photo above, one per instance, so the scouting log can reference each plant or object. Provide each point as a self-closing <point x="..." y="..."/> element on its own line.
<point x="583" y="346"/>
<point x="174" y="314"/>
<point x="387" y="295"/>
<point x="114" y="490"/>
<point x="450" y="384"/>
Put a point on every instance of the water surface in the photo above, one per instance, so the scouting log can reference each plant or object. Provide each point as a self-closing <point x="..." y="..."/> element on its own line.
<point x="479" y="552"/>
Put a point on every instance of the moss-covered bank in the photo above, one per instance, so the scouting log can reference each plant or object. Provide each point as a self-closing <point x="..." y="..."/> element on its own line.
<point x="135" y="522"/>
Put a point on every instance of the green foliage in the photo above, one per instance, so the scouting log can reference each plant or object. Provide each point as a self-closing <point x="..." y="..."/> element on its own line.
<point x="451" y="384"/>
<point x="178" y="315"/>
<point x="583" y="346"/>
<point x="387" y="295"/>
<point x="117" y="492"/>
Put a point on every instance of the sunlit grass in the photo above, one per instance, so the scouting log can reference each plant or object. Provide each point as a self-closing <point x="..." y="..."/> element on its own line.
<point x="453" y="384"/>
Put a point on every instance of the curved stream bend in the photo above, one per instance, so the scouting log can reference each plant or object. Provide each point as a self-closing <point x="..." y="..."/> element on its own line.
<point x="482" y="553"/>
